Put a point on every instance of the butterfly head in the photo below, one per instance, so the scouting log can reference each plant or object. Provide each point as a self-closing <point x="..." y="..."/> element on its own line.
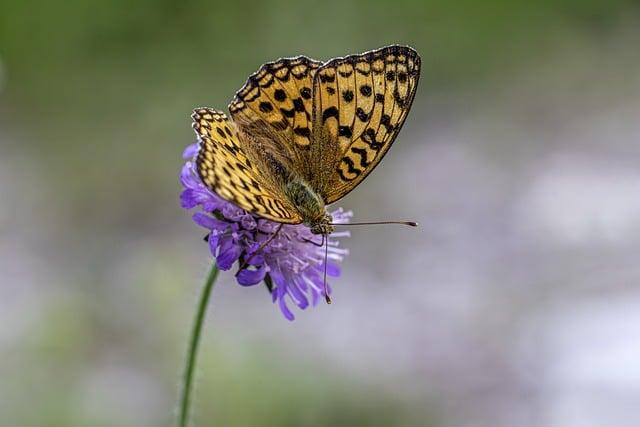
<point x="323" y="225"/>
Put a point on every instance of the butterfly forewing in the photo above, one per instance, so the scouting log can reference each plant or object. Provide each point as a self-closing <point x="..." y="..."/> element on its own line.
<point x="279" y="95"/>
<point x="361" y="102"/>
<point x="229" y="168"/>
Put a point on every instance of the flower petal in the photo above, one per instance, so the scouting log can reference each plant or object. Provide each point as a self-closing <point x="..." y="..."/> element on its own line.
<point x="232" y="212"/>
<point x="229" y="252"/>
<point x="248" y="277"/>
<point x="296" y="294"/>
<point x="209" y="222"/>
<point x="284" y="309"/>
<point x="333" y="270"/>
<point x="191" y="151"/>
<point x="213" y="240"/>
<point x="247" y="222"/>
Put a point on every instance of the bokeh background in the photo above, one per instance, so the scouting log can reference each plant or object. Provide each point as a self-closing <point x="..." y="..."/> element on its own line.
<point x="516" y="303"/>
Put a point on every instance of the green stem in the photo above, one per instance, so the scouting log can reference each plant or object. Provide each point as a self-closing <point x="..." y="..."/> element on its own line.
<point x="187" y="386"/>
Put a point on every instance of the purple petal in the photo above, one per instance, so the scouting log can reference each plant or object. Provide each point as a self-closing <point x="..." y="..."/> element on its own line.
<point x="213" y="240"/>
<point x="252" y="257"/>
<point x="256" y="260"/>
<point x="191" y="151"/>
<point x="211" y="204"/>
<point x="278" y="279"/>
<point x="285" y="310"/>
<point x="207" y="221"/>
<point x="296" y="294"/>
<point x="191" y="198"/>
<point x="315" y="297"/>
<point x="187" y="199"/>
<point x="332" y="269"/>
<point x="229" y="252"/>
<point x="248" y="223"/>
<point x="248" y="277"/>
<point x="187" y="177"/>
<point x="267" y="226"/>
<point x="232" y="212"/>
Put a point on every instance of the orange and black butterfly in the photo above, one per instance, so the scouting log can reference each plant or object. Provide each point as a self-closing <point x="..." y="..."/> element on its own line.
<point x="304" y="133"/>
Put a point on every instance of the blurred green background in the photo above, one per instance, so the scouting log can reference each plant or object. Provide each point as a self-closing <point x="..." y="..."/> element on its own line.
<point x="520" y="158"/>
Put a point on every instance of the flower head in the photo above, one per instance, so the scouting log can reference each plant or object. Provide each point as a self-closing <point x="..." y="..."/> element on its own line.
<point x="289" y="263"/>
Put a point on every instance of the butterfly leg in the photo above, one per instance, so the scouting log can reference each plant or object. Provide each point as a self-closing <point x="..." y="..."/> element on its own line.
<point x="314" y="243"/>
<point x="245" y="262"/>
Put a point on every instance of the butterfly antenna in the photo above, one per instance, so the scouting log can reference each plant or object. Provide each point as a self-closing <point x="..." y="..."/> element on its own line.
<point x="327" y="298"/>
<point x="409" y="223"/>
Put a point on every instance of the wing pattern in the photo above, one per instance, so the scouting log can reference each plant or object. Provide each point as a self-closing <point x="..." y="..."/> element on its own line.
<point x="279" y="93"/>
<point x="362" y="101"/>
<point x="228" y="169"/>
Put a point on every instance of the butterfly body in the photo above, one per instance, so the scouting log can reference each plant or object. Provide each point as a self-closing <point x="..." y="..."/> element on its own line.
<point x="310" y="206"/>
<point x="304" y="133"/>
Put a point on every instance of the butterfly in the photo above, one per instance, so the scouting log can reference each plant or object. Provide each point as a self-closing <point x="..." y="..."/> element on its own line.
<point x="304" y="133"/>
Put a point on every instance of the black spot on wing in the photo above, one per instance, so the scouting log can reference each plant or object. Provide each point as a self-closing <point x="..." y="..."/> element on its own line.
<point x="327" y="78"/>
<point x="363" y="156"/>
<point x="280" y="95"/>
<point x="345" y="131"/>
<point x="398" y="98"/>
<point x="305" y="92"/>
<point x="328" y="113"/>
<point x="386" y="122"/>
<point x="266" y="107"/>
<point x="298" y="105"/>
<point x="290" y="113"/>
<point x="369" y="136"/>
<point x="302" y="131"/>
<point x="350" y="169"/>
<point x="362" y="115"/>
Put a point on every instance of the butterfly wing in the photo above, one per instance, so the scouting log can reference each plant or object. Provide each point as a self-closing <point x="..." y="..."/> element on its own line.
<point x="277" y="101"/>
<point x="360" y="104"/>
<point x="233" y="170"/>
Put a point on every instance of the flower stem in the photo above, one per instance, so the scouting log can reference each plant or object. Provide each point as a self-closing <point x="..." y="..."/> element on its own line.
<point x="187" y="386"/>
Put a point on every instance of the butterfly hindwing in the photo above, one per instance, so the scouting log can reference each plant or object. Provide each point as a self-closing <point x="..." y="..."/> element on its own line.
<point x="228" y="168"/>
<point x="361" y="102"/>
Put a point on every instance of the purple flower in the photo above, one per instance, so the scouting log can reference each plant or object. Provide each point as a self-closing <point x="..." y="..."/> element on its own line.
<point x="290" y="266"/>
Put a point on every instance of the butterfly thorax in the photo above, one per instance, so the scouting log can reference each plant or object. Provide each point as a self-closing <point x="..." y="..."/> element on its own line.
<point x="310" y="206"/>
